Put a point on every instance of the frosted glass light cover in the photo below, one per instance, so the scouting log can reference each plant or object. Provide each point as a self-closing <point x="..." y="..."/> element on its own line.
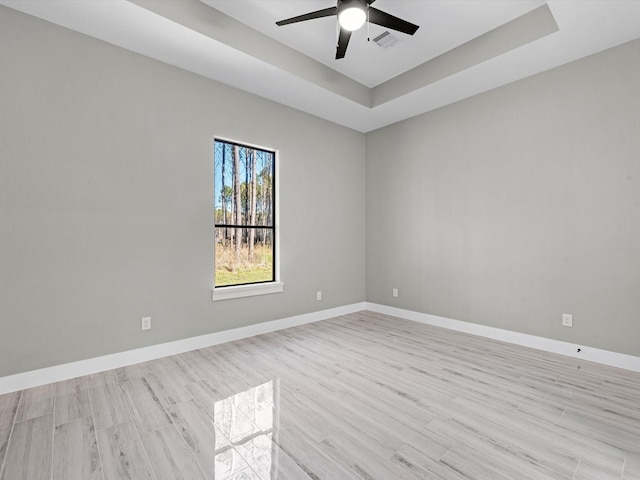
<point x="352" y="18"/>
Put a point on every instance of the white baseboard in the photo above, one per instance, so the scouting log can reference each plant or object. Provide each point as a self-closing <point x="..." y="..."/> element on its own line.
<point x="66" y="371"/>
<point x="605" y="357"/>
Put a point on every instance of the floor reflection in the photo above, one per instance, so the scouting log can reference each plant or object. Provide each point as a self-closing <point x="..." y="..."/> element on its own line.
<point x="247" y="427"/>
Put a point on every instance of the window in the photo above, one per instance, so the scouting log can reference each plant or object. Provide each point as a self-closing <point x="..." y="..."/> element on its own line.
<point x="245" y="223"/>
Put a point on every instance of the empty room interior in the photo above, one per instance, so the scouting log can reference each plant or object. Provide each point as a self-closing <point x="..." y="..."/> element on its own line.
<point x="320" y="239"/>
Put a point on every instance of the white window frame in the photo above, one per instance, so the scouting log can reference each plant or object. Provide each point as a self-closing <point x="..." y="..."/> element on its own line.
<point x="254" y="289"/>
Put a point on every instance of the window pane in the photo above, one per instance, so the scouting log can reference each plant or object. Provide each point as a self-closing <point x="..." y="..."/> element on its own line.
<point x="243" y="183"/>
<point x="243" y="255"/>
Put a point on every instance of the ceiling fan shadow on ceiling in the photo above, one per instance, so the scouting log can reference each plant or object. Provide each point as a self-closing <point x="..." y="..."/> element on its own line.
<point x="352" y="14"/>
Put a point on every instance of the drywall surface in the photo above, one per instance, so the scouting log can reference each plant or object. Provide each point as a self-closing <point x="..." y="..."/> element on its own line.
<point x="106" y="200"/>
<point x="513" y="207"/>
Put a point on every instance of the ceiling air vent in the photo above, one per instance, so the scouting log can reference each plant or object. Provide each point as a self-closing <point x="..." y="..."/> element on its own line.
<point x="386" y="40"/>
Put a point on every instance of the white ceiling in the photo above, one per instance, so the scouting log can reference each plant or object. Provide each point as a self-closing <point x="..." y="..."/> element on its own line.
<point x="444" y="24"/>
<point x="455" y="54"/>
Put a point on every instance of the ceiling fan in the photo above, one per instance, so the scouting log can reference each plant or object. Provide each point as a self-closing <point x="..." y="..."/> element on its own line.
<point x="352" y="14"/>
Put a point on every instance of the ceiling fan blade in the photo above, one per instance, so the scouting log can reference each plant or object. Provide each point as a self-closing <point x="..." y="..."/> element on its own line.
<point x="327" y="12"/>
<point x="370" y="1"/>
<point x="389" y="21"/>
<point x="343" y="42"/>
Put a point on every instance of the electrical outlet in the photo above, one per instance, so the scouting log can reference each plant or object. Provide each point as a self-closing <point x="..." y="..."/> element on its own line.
<point x="318" y="295"/>
<point x="145" y="323"/>
<point x="567" y="320"/>
<point x="395" y="292"/>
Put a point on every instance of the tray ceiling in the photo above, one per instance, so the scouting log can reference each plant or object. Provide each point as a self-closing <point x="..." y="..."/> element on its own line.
<point x="463" y="47"/>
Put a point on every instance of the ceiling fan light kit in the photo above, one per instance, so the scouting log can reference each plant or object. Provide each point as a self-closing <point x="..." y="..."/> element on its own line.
<point x="352" y="14"/>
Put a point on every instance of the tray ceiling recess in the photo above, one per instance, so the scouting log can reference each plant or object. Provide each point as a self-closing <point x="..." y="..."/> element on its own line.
<point x="462" y="48"/>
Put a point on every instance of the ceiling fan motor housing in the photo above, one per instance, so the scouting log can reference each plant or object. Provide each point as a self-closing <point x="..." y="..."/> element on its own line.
<point x="361" y="4"/>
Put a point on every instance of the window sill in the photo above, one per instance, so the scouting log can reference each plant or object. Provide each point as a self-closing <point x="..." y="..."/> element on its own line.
<point x="239" y="291"/>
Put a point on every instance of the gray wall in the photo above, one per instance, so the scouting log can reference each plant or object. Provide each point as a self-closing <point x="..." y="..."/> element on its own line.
<point x="506" y="209"/>
<point x="106" y="200"/>
<point x="515" y="206"/>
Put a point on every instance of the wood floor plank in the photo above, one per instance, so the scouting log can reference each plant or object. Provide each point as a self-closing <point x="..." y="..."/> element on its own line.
<point x="202" y="437"/>
<point x="72" y="406"/>
<point x="169" y="386"/>
<point x="371" y="432"/>
<point x="361" y="461"/>
<point x="585" y="448"/>
<point x="108" y="405"/>
<point x="418" y="461"/>
<point x="632" y="467"/>
<point x="517" y="442"/>
<point x="29" y="455"/>
<point x="36" y="402"/>
<point x="9" y="401"/>
<point x="73" y="385"/>
<point x="144" y="403"/>
<point x="170" y="458"/>
<point x="122" y="454"/>
<point x="314" y="423"/>
<point x="71" y="401"/>
<point x="75" y="453"/>
<point x="586" y="471"/>
<point x="204" y="394"/>
<point x="269" y="462"/>
<point x="101" y="379"/>
<point x="8" y="410"/>
<point x="309" y="456"/>
<point x="465" y="461"/>
<point x="494" y="453"/>
<point x="611" y="434"/>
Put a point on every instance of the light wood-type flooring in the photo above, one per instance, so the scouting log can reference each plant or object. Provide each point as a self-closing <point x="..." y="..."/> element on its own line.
<point x="362" y="396"/>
